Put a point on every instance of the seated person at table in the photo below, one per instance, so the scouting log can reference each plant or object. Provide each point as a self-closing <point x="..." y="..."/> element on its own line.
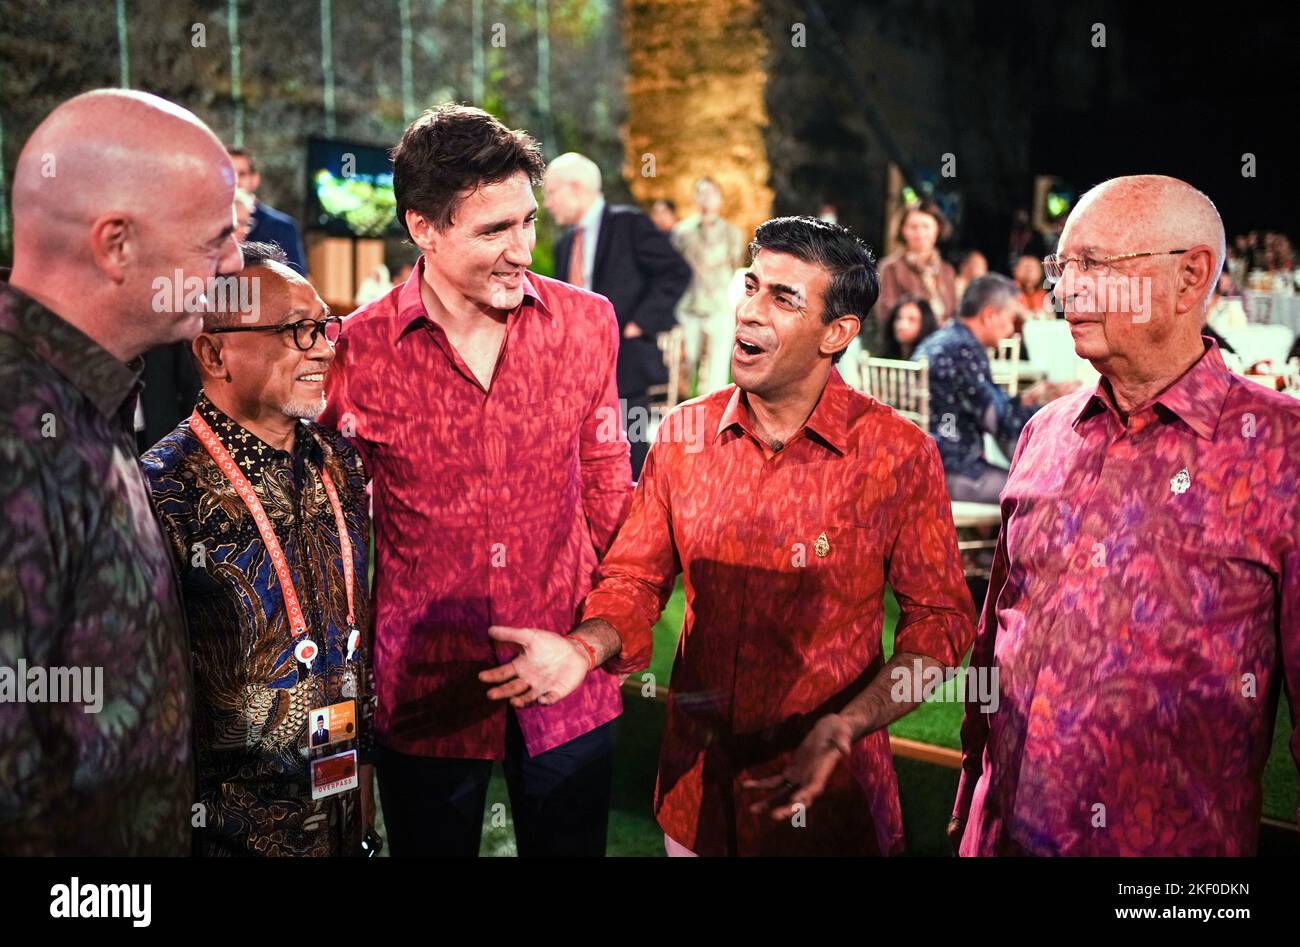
<point x="908" y="324"/>
<point x="964" y="401"/>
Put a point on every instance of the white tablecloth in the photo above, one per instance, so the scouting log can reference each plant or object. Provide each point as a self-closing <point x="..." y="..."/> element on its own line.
<point x="1051" y="352"/>
<point x="1259" y="343"/>
<point x="1273" y="309"/>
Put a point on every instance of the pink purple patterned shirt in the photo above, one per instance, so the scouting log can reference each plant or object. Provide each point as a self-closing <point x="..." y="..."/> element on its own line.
<point x="1143" y="610"/>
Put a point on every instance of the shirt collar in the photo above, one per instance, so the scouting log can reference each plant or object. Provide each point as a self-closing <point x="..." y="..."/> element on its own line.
<point x="1197" y="397"/>
<point x="88" y="366"/>
<point x="410" y="306"/>
<point x="960" y="327"/>
<point x="829" y="421"/>
<point x="592" y="217"/>
<point x="249" y="451"/>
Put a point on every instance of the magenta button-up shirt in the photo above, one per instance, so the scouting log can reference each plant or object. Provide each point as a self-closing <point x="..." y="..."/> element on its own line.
<point x="490" y="506"/>
<point x="1143" y="610"/>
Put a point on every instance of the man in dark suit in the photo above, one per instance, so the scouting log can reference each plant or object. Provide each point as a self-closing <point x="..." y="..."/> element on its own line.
<point x="268" y="225"/>
<point x="320" y="736"/>
<point x="616" y="251"/>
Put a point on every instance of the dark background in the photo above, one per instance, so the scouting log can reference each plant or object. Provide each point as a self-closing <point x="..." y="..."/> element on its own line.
<point x="1011" y="89"/>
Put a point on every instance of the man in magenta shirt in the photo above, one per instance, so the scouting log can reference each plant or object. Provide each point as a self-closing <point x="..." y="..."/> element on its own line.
<point x="483" y="400"/>
<point x="1143" y="614"/>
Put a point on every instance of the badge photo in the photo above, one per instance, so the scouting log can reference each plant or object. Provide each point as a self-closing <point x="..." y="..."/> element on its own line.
<point x="336" y="723"/>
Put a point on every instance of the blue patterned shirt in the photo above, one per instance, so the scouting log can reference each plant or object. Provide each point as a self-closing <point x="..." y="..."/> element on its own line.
<point x="252" y="697"/>
<point x="964" y="401"/>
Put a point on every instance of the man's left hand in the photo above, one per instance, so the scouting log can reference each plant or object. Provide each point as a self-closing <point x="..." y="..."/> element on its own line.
<point x="632" y="331"/>
<point x="548" y="667"/>
<point x="805" y="776"/>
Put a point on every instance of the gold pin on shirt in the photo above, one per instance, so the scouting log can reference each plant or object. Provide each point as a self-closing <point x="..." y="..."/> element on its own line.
<point x="823" y="547"/>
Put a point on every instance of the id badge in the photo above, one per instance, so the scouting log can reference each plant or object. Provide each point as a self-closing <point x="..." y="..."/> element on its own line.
<point x="336" y="723"/>
<point x="332" y="775"/>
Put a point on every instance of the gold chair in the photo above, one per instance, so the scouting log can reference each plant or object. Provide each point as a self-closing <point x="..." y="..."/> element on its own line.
<point x="1004" y="364"/>
<point x="672" y="345"/>
<point x="903" y="385"/>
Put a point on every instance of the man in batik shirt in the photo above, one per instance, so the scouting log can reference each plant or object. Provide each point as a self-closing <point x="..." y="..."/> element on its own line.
<point x="270" y="657"/>
<point x="965" y="404"/>
<point x="801" y="500"/>
<point x="1144" y="608"/>
<point x="86" y="585"/>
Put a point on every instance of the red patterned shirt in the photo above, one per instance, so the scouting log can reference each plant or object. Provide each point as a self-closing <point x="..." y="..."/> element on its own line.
<point x="785" y="556"/>
<point x="1143" y="609"/>
<point x="490" y="507"/>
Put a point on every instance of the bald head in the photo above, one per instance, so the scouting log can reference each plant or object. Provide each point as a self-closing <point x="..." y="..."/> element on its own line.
<point x="572" y="183"/>
<point x="580" y="169"/>
<point x="1157" y="212"/>
<point x="113" y="190"/>
<point x="1142" y="257"/>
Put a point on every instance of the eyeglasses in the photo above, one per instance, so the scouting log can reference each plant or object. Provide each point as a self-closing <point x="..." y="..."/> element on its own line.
<point x="1054" y="265"/>
<point x="305" y="331"/>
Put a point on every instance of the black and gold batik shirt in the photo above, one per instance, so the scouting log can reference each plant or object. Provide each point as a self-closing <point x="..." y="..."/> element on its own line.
<point x="252" y="695"/>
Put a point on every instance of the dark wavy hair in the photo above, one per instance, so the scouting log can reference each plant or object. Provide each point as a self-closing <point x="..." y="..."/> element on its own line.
<point x="452" y="149"/>
<point x="854" y="284"/>
<point x="890" y="347"/>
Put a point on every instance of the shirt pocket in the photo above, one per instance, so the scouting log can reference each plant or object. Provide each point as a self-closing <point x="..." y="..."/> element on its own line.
<point x="842" y="571"/>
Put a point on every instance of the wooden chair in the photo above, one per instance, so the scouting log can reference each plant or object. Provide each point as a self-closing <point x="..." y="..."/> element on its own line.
<point x="1004" y="364"/>
<point x="977" y="530"/>
<point x="903" y="385"/>
<point x="672" y="344"/>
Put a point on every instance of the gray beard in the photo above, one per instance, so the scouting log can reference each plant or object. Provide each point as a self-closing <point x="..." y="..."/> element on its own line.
<point x="306" y="409"/>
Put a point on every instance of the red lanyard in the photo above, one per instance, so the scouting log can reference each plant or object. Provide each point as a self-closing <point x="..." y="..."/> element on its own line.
<point x="227" y="465"/>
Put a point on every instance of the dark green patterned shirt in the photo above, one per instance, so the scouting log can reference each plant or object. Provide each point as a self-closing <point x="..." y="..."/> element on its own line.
<point x="95" y="693"/>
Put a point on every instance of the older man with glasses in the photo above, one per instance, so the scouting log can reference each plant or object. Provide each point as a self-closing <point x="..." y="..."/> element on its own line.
<point x="1144" y="608"/>
<point x="269" y="524"/>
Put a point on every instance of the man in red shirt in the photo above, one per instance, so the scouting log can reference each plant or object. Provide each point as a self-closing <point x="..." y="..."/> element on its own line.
<point x="482" y="398"/>
<point x="786" y="517"/>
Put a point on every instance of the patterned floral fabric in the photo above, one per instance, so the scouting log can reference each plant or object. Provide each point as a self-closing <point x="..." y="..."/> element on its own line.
<point x="964" y="402"/>
<point x="785" y="557"/>
<point x="252" y="696"/>
<point x="1143" y="610"/>
<point x="85" y="582"/>
<point x="491" y="507"/>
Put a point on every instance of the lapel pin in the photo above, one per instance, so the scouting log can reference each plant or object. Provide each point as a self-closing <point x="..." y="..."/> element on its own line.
<point x="1182" y="480"/>
<point x="823" y="546"/>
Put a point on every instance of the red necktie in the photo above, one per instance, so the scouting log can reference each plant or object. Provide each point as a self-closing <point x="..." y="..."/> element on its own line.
<point x="576" y="260"/>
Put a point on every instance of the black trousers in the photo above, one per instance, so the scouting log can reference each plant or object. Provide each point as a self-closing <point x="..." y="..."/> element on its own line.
<point x="559" y="800"/>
